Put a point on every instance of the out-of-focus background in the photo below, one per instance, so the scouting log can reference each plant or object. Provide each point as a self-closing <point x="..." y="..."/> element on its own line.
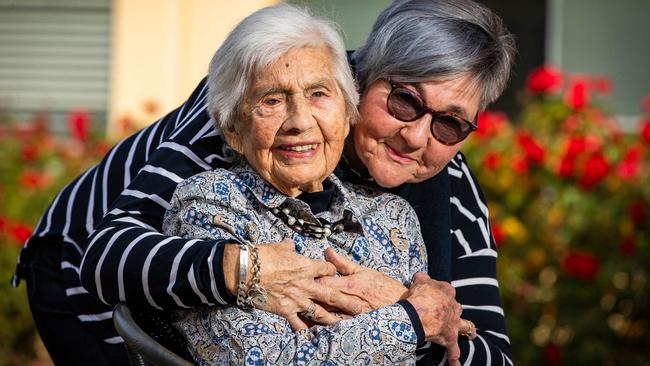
<point x="562" y="157"/>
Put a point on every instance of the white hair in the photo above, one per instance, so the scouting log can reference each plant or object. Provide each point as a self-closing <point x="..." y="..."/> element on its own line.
<point x="261" y="39"/>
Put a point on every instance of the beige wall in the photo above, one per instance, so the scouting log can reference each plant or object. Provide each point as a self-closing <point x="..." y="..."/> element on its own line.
<point x="161" y="49"/>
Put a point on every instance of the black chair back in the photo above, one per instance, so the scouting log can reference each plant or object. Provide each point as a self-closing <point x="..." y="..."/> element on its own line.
<point x="142" y="348"/>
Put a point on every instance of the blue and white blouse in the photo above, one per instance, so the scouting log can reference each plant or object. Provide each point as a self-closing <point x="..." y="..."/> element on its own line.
<point x="381" y="232"/>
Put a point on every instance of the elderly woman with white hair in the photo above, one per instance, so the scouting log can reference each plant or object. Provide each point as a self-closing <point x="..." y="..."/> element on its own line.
<point x="288" y="109"/>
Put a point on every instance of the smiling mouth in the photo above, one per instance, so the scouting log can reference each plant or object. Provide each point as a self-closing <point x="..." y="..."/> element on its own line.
<point x="396" y="155"/>
<point x="298" y="148"/>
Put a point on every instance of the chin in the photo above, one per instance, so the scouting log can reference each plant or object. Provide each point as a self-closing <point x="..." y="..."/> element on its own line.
<point x="387" y="181"/>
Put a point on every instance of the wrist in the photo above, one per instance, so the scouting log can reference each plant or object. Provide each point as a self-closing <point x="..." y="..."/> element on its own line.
<point x="231" y="267"/>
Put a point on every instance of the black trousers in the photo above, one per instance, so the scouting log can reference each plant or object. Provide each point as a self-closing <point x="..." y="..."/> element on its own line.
<point x="66" y="338"/>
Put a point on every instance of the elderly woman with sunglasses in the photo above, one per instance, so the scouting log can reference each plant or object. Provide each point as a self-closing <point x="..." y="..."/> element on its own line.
<point x="454" y="55"/>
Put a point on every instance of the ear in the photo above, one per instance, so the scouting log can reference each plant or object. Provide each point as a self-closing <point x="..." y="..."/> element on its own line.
<point x="233" y="138"/>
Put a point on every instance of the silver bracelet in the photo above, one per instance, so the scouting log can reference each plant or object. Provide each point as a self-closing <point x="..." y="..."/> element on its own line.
<point x="256" y="293"/>
<point x="250" y="295"/>
<point x="243" y="276"/>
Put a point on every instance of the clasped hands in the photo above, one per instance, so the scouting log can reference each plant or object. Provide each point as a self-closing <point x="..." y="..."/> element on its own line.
<point x="298" y="285"/>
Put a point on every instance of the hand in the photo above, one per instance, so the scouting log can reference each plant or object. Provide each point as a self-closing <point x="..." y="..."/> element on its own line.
<point x="439" y="313"/>
<point x="289" y="279"/>
<point x="372" y="287"/>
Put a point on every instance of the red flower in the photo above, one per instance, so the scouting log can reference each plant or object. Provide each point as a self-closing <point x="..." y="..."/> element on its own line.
<point x="491" y="123"/>
<point x="577" y="96"/>
<point x="520" y="165"/>
<point x="533" y="149"/>
<point x="628" y="246"/>
<point x="544" y="80"/>
<point x="572" y="122"/>
<point x="20" y="232"/>
<point x="638" y="212"/>
<point x="602" y="85"/>
<point x="492" y="160"/>
<point x="552" y="355"/>
<point x="29" y="152"/>
<point x="645" y="131"/>
<point x="595" y="170"/>
<point x="498" y="233"/>
<point x="33" y="179"/>
<point x="630" y="165"/>
<point x="575" y="146"/>
<point x="3" y="223"/>
<point x="581" y="264"/>
<point x="593" y="144"/>
<point x="565" y="169"/>
<point x="79" y="122"/>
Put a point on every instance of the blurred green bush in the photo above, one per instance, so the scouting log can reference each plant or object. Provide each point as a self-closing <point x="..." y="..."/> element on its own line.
<point x="34" y="165"/>
<point x="569" y="198"/>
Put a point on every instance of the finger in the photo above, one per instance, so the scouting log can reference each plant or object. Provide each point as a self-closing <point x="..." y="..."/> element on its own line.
<point x="332" y="297"/>
<point x="295" y="322"/>
<point x="318" y="268"/>
<point x="453" y="354"/>
<point x="420" y="277"/>
<point x="343" y="265"/>
<point x="324" y="317"/>
<point x="467" y="329"/>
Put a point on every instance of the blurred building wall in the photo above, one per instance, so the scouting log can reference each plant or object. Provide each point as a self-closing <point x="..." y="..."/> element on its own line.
<point x="161" y="50"/>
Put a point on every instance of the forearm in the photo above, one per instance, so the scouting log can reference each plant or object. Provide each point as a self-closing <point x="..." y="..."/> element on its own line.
<point x="126" y="262"/>
<point x="128" y="259"/>
<point x="477" y="290"/>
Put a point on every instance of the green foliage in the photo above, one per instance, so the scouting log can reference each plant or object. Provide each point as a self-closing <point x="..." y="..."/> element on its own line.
<point x="35" y="165"/>
<point x="570" y="209"/>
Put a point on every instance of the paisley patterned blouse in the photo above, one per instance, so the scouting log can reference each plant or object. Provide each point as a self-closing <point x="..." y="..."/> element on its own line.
<point x="381" y="232"/>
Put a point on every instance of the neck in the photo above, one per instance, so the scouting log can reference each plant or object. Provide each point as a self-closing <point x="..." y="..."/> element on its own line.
<point x="352" y="159"/>
<point x="297" y="191"/>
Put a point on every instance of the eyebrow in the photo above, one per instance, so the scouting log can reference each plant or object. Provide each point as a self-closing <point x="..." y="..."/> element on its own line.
<point x="323" y="83"/>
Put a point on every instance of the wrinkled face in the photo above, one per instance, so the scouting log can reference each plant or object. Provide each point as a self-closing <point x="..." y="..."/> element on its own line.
<point x="293" y="122"/>
<point x="397" y="152"/>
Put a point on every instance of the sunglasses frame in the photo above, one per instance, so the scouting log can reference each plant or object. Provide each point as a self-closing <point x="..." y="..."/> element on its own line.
<point x="426" y="110"/>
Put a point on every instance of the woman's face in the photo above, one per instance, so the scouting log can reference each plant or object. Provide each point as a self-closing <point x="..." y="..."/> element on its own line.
<point x="293" y="122"/>
<point x="397" y="152"/>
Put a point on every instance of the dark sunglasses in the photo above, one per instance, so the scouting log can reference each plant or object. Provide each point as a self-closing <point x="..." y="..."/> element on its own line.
<point x="407" y="106"/>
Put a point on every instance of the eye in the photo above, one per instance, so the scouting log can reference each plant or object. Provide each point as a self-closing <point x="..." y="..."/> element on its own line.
<point x="318" y="94"/>
<point x="271" y="102"/>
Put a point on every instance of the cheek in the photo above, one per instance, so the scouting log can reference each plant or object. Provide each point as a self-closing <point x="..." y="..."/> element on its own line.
<point x="260" y="135"/>
<point x="439" y="155"/>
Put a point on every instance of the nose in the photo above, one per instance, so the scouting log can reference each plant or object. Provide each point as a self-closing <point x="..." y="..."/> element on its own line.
<point x="299" y="117"/>
<point x="416" y="133"/>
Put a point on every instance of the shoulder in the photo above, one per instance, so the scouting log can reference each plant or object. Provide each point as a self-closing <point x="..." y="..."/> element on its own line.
<point x="464" y="187"/>
<point x="205" y="184"/>
<point x="470" y="223"/>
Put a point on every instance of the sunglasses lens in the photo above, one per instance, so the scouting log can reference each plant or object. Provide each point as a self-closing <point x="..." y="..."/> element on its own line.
<point x="449" y="129"/>
<point x="404" y="106"/>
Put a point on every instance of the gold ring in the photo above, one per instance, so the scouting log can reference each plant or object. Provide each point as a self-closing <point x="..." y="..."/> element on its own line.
<point x="469" y="333"/>
<point x="310" y="312"/>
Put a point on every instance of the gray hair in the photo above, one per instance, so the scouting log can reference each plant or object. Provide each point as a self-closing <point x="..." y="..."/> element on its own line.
<point x="261" y="39"/>
<point x="420" y="40"/>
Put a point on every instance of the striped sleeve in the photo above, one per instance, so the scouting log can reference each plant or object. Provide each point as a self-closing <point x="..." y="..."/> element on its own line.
<point x="128" y="259"/>
<point x="474" y="256"/>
